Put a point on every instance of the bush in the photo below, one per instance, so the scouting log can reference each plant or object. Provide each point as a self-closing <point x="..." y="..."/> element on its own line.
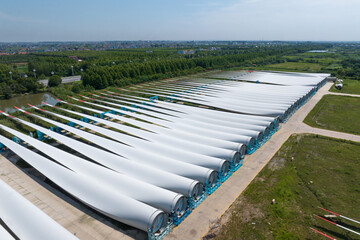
<point x="54" y="81"/>
<point x="77" y="87"/>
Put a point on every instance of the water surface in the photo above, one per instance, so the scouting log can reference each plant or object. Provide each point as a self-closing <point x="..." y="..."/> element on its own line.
<point x="22" y="101"/>
<point x="318" y="51"/>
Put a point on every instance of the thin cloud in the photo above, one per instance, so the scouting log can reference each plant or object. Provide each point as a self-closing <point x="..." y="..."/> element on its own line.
<point x="281" y="20"/>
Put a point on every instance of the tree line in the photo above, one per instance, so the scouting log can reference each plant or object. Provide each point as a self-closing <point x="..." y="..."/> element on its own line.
<point x="350" y="68"/>
<point x="100" y="69"/>
<point x="15" y="83"/>
<point x="104" y="74"/>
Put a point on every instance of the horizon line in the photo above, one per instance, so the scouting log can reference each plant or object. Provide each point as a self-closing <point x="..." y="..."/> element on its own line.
<point x="93" y="41"/>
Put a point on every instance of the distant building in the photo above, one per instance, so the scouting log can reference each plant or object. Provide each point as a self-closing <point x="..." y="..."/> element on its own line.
<point x="186" y="51"/>
<point x="75" y="58"/>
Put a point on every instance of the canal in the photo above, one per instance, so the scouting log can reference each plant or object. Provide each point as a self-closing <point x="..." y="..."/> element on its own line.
<point x="24" y="100"/>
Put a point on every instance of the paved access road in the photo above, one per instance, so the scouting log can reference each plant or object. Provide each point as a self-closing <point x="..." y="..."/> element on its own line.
<point x="344" y="94"/>
<point x="64" y="80"/>
<point x="206" y="215"/>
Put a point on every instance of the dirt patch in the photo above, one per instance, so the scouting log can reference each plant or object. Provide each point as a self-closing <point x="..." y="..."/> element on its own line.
<point x="277" y="163"/>
<point x="248" y="212"/>
<point x="320" y="124"/>
<point x="260" y="179"/>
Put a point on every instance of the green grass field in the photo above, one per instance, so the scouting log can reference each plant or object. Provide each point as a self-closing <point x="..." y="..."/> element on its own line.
<point x="295" y="66"/>
<point x="350" y="86"/>
<point x="21" y="67"/>
<point x="338" y="113"/>
<point x="322" y="174"/>
<point x="307" y="62"/>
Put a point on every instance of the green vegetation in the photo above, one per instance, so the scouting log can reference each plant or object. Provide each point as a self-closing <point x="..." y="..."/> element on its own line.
<point x="338" y="113"/>
<point x="64" y="90"/>
<point x="350" y="86"/>
<point x="54" y="81"/>
<point x="123" y="67"/>
<point x="100" y="69"/>
<point x="295" y="66"/>
<point x="164" y="64"/>
<point x="18" y="86"/>
<point x="21" y="67"/>
<point x="339" y="61"/>
<point x="322" y="174"/>
<point x="351" y="68"/>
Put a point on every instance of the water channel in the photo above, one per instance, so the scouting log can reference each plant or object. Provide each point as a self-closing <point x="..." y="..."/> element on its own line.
<point x="23" y="100"/>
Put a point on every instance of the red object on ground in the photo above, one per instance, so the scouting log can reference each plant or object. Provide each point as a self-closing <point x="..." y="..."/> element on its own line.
<point x="323" y="234"/>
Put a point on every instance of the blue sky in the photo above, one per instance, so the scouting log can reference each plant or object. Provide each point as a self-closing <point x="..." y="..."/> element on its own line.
<point x="92" y="20"/>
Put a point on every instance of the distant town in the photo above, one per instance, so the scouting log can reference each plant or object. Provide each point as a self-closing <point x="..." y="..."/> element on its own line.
<point x="11" y="48"/>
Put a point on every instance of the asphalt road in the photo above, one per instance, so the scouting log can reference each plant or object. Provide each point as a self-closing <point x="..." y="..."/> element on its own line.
<point x="64" y="80"/>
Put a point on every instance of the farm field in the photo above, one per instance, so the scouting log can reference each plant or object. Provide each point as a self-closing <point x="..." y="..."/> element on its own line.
<point x="295" y="66"/>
